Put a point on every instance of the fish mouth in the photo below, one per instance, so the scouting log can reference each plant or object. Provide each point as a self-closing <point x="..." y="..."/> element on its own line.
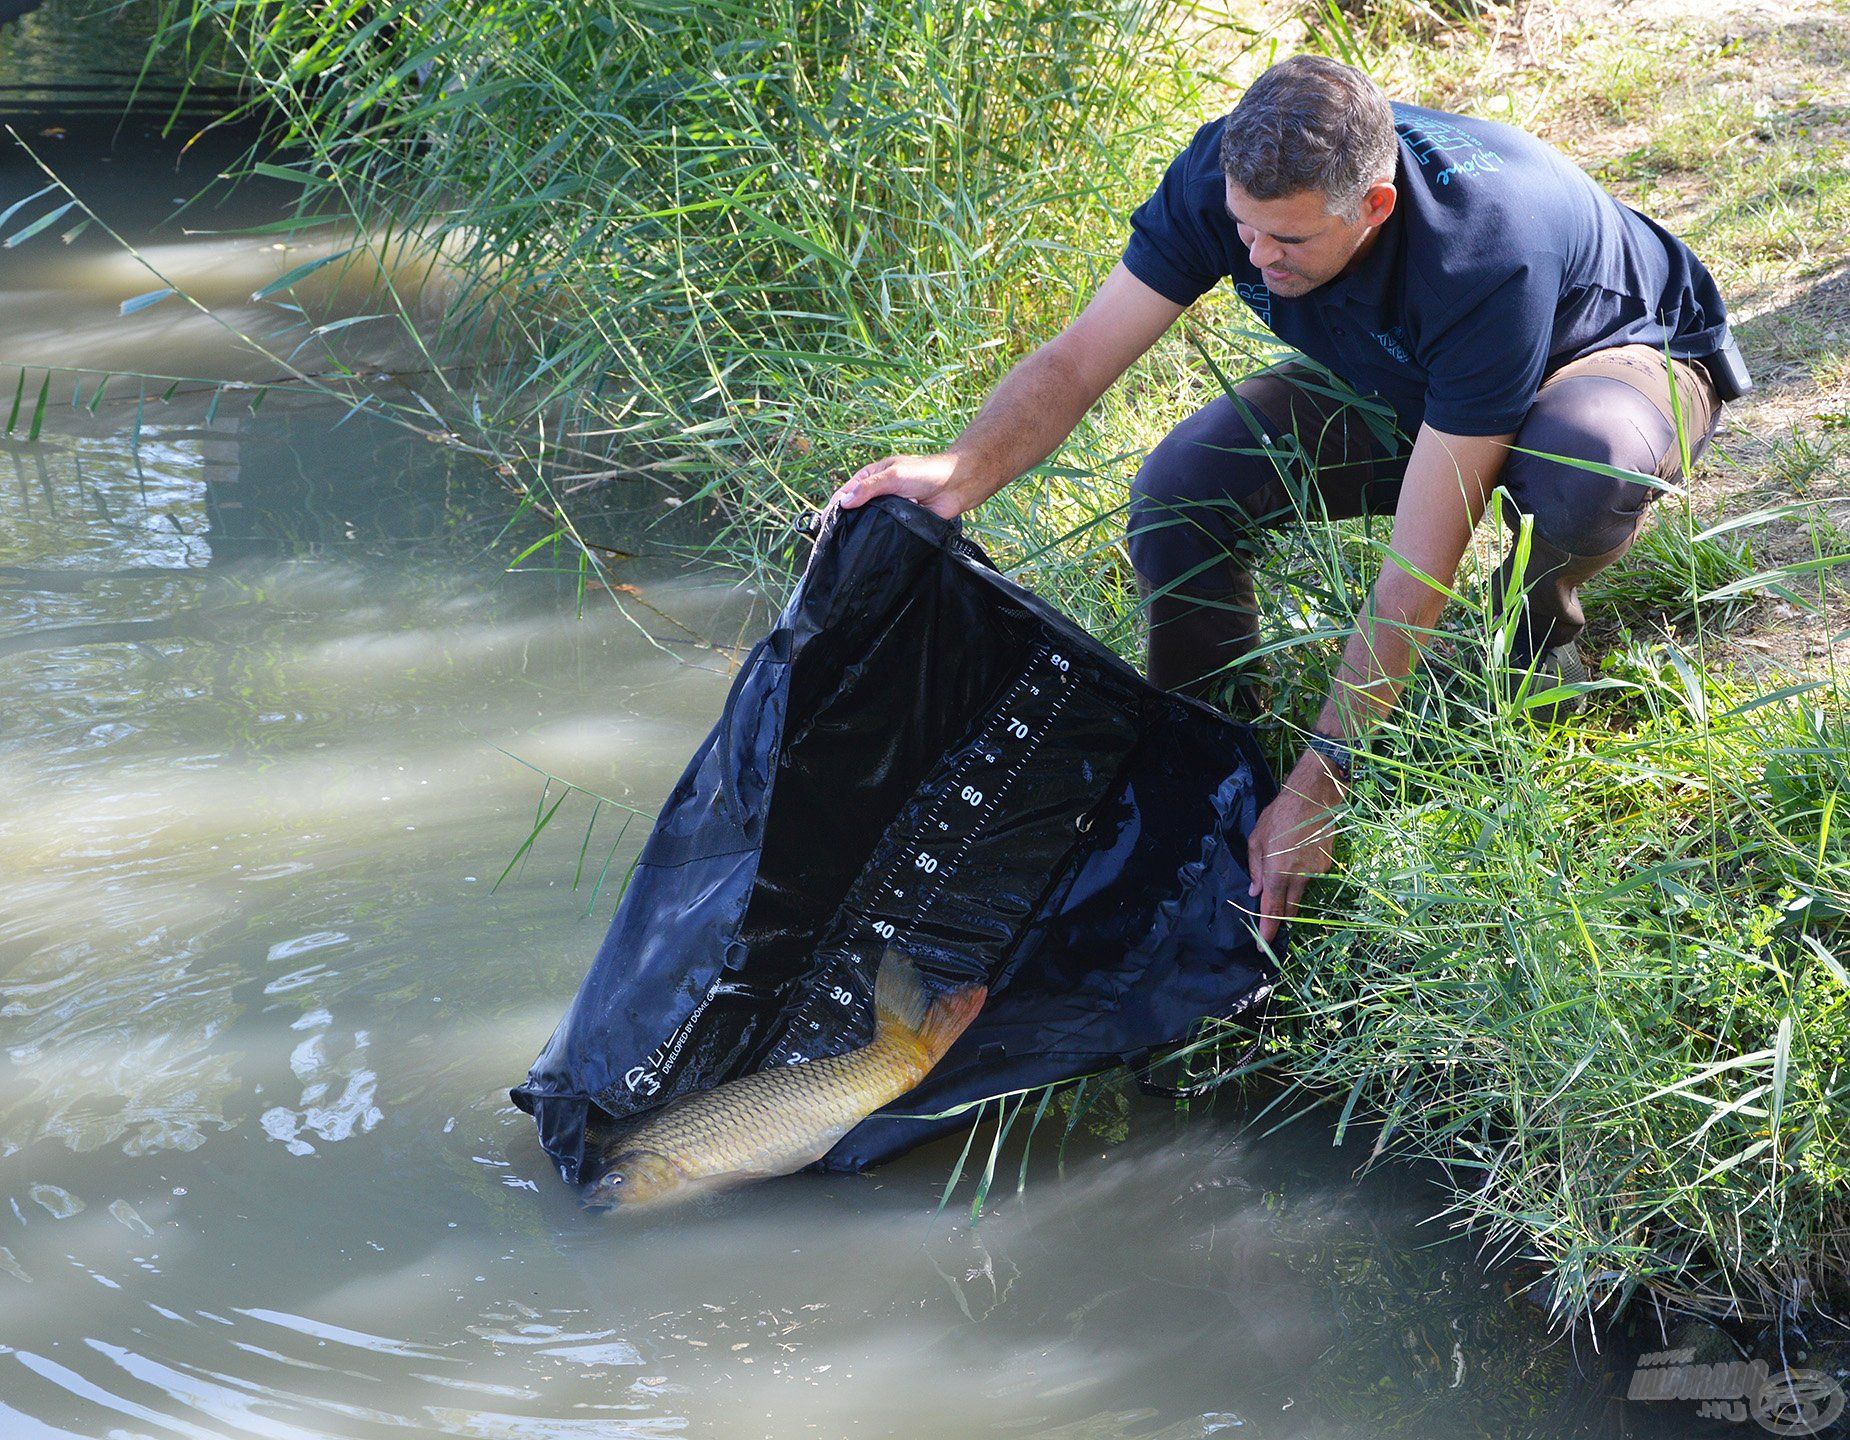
<point x="633" y="1181"/>
<point x="599" y="1198"/>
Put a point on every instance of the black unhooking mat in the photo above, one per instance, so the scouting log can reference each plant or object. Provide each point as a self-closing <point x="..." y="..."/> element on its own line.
<point x="923" y="756"/>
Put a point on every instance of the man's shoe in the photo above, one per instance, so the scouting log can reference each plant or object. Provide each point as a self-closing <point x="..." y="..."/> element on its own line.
<point x="1559" y="665"/>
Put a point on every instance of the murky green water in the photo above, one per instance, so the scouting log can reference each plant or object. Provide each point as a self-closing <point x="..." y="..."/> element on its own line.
<point x="262" y="683"/>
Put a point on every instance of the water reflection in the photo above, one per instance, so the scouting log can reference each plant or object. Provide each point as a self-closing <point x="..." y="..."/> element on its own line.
<point x="253" y="796"/>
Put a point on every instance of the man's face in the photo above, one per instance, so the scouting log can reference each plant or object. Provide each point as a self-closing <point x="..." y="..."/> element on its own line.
<point x="1297" y="244"/>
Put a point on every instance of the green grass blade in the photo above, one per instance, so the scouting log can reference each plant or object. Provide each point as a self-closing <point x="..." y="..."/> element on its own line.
<point x="38" y="410"/>
<point x="38" y="226"/>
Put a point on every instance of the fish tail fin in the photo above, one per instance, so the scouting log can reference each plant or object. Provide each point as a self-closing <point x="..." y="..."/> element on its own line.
<point x="902" y="1002"/>
<point x="949" y="1016"/>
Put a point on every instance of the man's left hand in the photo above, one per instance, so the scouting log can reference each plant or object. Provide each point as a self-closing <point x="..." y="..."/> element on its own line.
<point x="1293" y="840"/>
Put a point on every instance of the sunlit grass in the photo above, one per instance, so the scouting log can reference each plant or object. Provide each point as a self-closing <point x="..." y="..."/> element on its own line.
<point x="1675" y="562"/>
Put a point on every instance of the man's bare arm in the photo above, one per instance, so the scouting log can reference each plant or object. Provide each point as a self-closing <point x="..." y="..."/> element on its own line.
<point x="1033" y="410"/>
<point x="1448" y="484"/>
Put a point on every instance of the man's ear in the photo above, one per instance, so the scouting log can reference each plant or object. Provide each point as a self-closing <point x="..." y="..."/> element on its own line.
<point x="1378" y="202"/>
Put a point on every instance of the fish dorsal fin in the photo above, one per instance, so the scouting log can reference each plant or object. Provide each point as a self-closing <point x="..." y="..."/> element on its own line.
<point x="899" y="994"/>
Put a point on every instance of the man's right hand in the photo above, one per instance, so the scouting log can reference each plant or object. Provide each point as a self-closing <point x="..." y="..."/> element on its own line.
<point x="932" y="480"/>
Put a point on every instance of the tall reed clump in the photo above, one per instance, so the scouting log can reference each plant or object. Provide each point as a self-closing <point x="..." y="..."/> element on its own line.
<point x="1595" y="968"/>
<point x="740" y="246"/>
<point x="1598" y="976"/>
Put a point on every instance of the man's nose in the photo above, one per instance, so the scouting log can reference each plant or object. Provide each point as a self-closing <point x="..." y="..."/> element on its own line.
<point x="1265" y="252"/>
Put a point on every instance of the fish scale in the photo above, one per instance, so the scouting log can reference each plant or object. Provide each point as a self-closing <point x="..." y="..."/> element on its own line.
<point x="731" y="1119"/>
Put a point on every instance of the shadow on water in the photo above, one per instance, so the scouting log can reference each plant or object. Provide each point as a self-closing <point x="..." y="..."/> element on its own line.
<point x="260" y="1001"/>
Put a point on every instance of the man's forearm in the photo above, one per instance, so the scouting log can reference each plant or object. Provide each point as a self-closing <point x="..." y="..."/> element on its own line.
<point x="1375" y="665"/>
<point x="1027" y="416"/>
<point x="1444" y="493"/>
<point x="1032" y="411"/>
<point x="1447" y="486"/>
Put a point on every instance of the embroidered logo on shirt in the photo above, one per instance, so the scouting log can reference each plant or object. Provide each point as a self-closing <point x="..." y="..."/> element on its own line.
<point x="1394" y="343"/>
<point x="1457" y="153"/>
<point x="1258" y="299"/>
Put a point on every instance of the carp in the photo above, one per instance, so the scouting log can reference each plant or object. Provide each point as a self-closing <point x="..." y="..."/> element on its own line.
<point x="779" y="1120"/>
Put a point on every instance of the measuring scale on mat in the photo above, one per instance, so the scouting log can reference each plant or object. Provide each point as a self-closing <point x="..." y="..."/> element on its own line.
<point x="934" y="881"/>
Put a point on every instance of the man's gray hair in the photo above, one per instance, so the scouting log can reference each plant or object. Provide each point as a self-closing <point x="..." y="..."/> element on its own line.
<point x="1310" y="124"/>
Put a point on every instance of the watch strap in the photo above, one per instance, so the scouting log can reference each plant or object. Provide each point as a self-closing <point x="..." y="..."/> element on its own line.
<point x="1337" y="753"/>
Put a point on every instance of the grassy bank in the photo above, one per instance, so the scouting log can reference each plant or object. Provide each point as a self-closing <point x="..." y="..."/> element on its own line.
<point x="1597" y="971"/>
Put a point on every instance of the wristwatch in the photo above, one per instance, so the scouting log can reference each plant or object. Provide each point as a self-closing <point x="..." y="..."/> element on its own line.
<point x="1337" y="753"/>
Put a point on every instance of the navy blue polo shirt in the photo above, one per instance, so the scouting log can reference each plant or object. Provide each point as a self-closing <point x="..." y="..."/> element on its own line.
<point x="1501" y="263"/>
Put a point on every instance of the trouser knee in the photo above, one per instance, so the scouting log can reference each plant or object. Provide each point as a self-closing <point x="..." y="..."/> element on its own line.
<point x="1582" y="429"/>
<point x="1198" y="505"/>
<point x="1581" y="516"/>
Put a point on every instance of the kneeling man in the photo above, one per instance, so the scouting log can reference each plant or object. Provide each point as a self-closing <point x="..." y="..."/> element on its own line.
<point x="1493" y="307"/>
